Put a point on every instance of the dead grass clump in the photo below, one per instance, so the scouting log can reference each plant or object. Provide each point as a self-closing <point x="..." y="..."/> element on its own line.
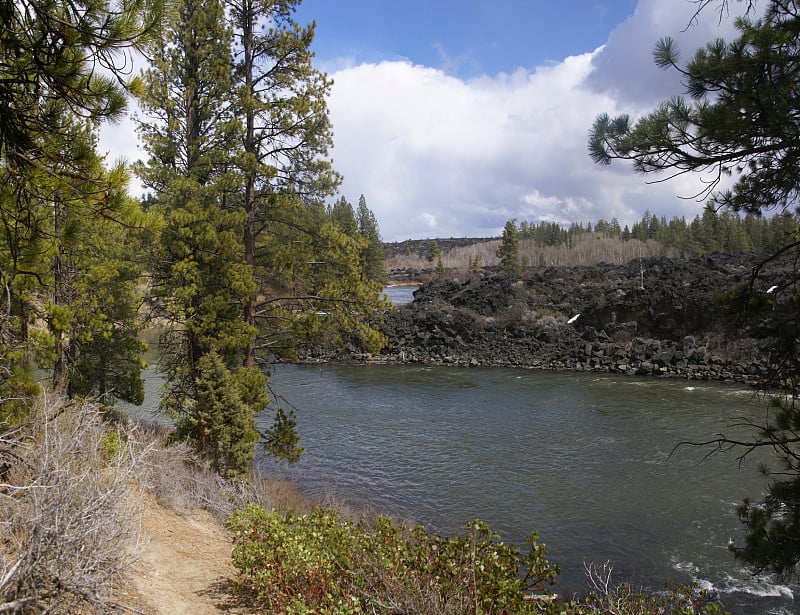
<point x="183" y="482"/>
<point x="68" y="513"/>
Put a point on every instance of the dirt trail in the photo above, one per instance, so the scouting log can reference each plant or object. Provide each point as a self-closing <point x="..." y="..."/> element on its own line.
<point x="186" y="566"/>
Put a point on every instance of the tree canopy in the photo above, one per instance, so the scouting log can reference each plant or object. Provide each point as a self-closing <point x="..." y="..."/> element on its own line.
<point x="508" y="252"/>
<point x="251" y="265"/>
<point x="66" y="222"/>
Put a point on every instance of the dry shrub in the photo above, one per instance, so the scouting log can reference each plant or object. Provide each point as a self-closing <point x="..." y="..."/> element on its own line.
<point x="183" y="482"/>
<point x="68" y="512"/>
<point x="71" y="483"/>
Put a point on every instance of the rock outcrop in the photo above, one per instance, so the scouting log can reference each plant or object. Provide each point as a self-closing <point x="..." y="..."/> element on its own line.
<point x="654" y="317"/>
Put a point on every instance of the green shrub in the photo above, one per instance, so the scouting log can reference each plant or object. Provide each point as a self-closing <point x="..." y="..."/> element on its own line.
<point x="320" y="563"/>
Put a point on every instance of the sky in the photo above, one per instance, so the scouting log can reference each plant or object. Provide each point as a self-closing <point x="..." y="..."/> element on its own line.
<point x="452" y="117"/>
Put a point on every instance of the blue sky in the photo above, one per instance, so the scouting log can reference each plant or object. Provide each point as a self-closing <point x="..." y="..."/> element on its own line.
<point x="463" y="37"/>
<point x="453" y="116"/>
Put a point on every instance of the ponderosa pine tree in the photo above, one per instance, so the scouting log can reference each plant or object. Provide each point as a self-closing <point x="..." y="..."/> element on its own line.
<point x="343" y="215"/>
<point x="53" y="96"/>
<point x="741" y="119"/>
<point x="93" y="307"/>
<point x="434" y="252"/>
<point x="250" y="265"/>
<point x="508" y="252"/>
<point x="221" y="422"/>
<point x="289" y="243"/>
<point x="200" y="279"/>
<point x="372" y="255"/>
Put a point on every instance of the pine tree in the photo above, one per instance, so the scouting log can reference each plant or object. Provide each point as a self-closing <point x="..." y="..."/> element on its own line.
<point x="250" y="265"/>
<point x="343" y="215"/>
<point x="200" y="278"/>
<point x="434" y="253"/>
<point x="221" y="424"/>
<point x="372" y="256"/>
<point x="52" y="184"/>
<point x="508" y="252"/>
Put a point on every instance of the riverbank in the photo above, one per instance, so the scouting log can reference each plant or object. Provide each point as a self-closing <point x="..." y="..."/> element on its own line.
<point x="655" y="317"/>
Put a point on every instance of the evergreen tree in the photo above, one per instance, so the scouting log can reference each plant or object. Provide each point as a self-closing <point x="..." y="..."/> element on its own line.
<point x="220" y="424"/>
<point x="343" y="215"/>
<point x="52" y="184"/>
<point x="296" y="255"/>
<point x="250" y="265"/>
<point x="434" y="253"/>
<point x="372" y="255"/>
<point x="285" y="134"/>
<point x="199" y="275"/>
<point x="508" y="252"/>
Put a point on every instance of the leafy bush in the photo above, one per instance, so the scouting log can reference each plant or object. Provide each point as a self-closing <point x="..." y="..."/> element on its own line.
<point x="321" y="563"/>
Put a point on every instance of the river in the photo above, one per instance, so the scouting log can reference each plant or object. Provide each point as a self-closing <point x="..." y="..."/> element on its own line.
<point x="401" y="294"/>
<point x="582" y="459"/>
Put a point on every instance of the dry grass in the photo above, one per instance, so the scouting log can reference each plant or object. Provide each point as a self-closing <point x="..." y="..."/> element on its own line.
<point x="182" y="482"/>
<point x="72" y="482"/>
<point x="69" y="511"/>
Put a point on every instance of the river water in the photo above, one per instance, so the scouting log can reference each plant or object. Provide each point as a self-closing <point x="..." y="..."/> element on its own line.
<point x="400" y="294"/>
<point x="582" y="459"/>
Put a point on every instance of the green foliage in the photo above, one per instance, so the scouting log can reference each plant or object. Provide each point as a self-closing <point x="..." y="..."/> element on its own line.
<point x="372" y="255"/>
<point x="250" y="266"/>
<point x="434" y="253"/>
<point x="50" y="55"/>
<point x="64" y="72"/>
<point x="714" y="231"/>
<point x="281" y="440"/>
<point x="343" y="215"/>
<point x="321" y="563"/>
<point x="773" y="525"/>
<point x="439" y="267"/>
<point x="18" y="387"/>
<point x="508" y="252"/>
<point x="112" y="444"/>
<point x="219" y="422"/>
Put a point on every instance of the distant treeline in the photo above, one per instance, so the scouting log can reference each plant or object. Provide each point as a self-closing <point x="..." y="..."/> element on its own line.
<point x="712" y="232"/>
<point x="550" y="244"/>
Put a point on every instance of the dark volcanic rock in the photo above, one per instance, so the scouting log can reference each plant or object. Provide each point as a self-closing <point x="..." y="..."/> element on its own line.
<point x="650" y="317"/>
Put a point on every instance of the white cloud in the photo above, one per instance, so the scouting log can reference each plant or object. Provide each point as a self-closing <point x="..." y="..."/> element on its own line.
<point x="475" y="153"/>
<point x="626" y="66"/>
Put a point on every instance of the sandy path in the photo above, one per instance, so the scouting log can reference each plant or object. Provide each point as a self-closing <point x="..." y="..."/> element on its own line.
<point x="186" y="566"/>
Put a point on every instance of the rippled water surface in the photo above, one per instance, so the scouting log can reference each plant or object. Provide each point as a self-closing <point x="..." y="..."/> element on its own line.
<point x="582" y="459"/>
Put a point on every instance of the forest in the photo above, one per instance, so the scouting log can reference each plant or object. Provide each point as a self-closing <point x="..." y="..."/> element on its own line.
<point x="546" y="244"/>
<point x="234" y="255"/>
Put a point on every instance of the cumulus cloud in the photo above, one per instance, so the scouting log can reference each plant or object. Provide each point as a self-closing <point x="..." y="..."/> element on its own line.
<point x="440" y="156"/>
<point x="625" y="67"/>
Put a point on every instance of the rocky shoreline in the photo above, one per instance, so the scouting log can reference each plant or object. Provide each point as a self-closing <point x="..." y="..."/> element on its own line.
<point x="655" y="317"/>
